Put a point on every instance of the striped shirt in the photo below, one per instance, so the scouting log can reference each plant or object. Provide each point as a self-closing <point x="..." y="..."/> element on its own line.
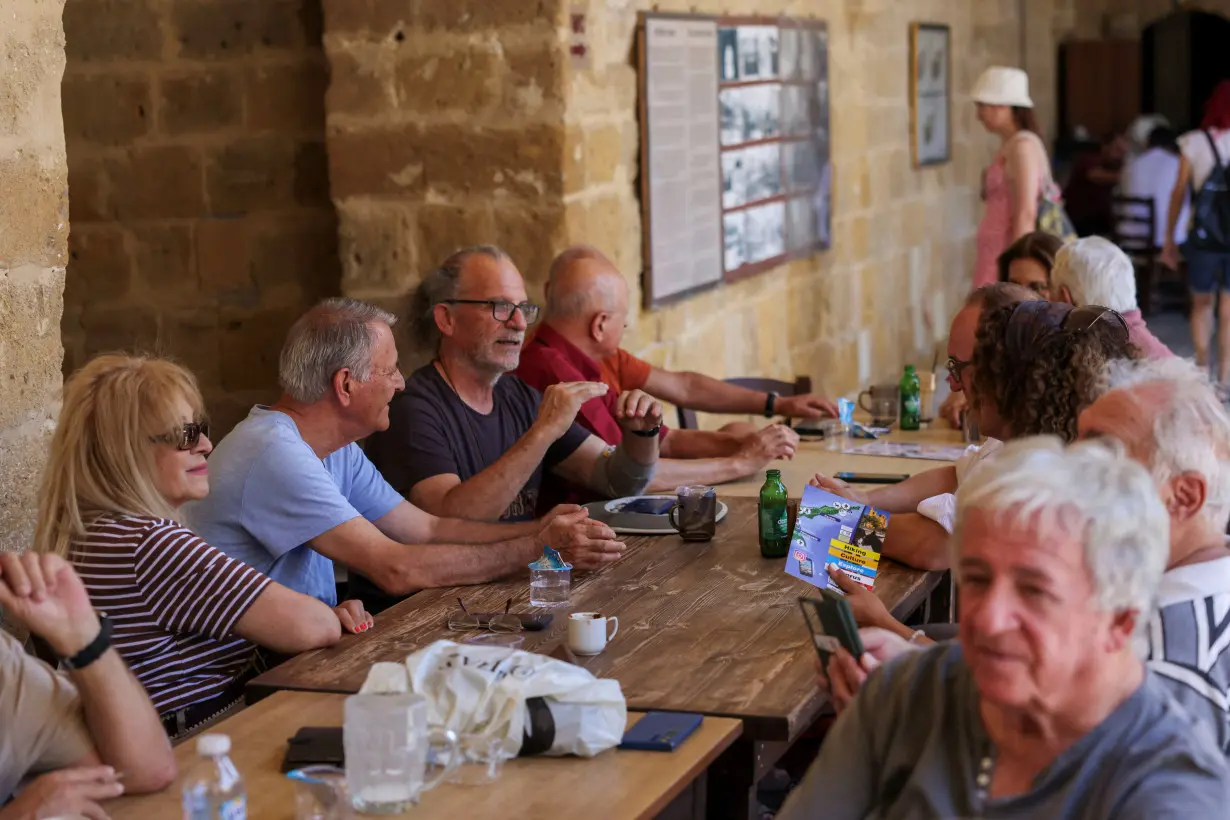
<point x="1189" y="642"/>
<point x="173" y="601"/>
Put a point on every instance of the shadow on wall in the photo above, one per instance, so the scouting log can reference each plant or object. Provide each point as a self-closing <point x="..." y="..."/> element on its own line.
<point x="201" y="224"/>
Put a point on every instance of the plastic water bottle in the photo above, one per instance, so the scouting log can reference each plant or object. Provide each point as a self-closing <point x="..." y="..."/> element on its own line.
<point x="214" y="790"/>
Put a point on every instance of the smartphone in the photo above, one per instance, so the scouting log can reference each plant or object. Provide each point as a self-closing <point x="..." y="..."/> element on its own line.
<point x="872" y="478"/>
<point x="660" y="731"/>
<point x="315" y="746"/>
<point x="648" y="506"/>
<point x="831" y="622"/>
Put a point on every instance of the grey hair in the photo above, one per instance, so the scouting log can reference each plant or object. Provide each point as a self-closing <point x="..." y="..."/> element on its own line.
<point x="996" y="295"/>
<point x="1091" y="490"/>
<point x="440" y="284"/>
<point x="1191" y="430"/>
<point x="334" y="335"/>
<point x="577" y="302"/>
<point x="1096" y="272"/>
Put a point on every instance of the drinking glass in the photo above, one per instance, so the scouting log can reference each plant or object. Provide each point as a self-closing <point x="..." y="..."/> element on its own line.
<point x="387" y="746"/>
<point x="835" y="432"/>
<point x="550" y="587"/>
<point x="320" y="793"/>
<point x="883" y="411"/>
<point x="695" y="512"/>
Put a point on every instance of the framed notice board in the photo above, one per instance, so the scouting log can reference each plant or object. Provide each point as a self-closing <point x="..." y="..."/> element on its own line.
<point x="735" y="159"/>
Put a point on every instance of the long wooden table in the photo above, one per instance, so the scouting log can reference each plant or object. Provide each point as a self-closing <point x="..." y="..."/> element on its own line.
<point x="617" y="784"/>
<point x="711" y="628"/>
<point x="813" y="456"/>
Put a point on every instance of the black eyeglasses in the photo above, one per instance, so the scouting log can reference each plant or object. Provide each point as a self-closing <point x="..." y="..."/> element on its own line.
<point x="186" y="437"/>
<point x="501" y="309"/>
<point x="1083" y="318"/>
<point x="955" y="366"/>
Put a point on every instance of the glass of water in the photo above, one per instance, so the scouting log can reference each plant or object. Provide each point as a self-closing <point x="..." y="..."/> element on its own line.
<point x="387" y="748"/>
<point x="320" y="793"/>
<point x="550" y="586"/>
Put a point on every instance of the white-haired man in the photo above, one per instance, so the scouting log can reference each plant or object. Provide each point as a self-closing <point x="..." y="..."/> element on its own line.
<point x="291" y="492"/>
<point x="1043" y="708"/>
<point x="1094" y="271"/>
<point x="1170" y="420"/>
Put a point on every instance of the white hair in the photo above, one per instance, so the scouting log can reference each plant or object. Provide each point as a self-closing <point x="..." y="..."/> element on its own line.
<point x="334" y="335"/>
<point x="1095" y="272"/>
<point x="1090" y="489"/>
<point x="1191" y="430"/>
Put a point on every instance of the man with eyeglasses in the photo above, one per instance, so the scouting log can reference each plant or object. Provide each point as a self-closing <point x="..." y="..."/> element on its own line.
<point x="466" y="437"/>
<point x="587" y="309"/>
<point x="1095" y="271"/>
<point x="292" y="492"/>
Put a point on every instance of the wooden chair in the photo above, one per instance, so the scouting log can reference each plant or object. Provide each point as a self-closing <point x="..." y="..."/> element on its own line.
<point x="800" y="386"/>
<point x="1139" y="213"/>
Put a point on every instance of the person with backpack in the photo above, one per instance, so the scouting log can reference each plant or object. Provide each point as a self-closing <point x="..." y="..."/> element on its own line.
<point x="1203" y="157"/>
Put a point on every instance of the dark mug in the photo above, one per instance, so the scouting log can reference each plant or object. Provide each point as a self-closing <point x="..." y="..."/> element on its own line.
<point x="877" y="391"/>
<point x="696" y="507"/>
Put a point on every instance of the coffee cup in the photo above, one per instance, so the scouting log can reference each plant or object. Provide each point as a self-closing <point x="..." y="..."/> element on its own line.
<point x="587" y="632"/>
<point x="694" y="515"/>
<point x="877" y="392"/>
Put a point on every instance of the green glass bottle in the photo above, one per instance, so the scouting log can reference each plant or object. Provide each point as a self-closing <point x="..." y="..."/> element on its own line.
<point x="911" y="400"/>
<point x="774" y="517"/>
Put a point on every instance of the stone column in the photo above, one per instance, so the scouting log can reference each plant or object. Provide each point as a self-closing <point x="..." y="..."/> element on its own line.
<point x="33" y="246"/>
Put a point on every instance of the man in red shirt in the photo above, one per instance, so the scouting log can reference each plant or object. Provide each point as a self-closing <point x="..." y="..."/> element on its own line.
<point x="587" y="309"/>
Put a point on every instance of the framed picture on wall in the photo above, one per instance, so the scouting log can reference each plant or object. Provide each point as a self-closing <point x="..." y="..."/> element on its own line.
<point x="930" y="93"/>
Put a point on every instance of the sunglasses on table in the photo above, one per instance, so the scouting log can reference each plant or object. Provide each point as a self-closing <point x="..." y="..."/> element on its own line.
<point x="501" y="310"/>
<point x="496" y="622"/>
<point x="186" y="437"/>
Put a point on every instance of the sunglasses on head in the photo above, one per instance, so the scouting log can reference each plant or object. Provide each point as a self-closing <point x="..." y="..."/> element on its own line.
<point x="186" y="437"/>
<point x="1083" y="318"/>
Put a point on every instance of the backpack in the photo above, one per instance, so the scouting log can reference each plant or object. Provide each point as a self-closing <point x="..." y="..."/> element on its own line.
<point x="1211" y="209"/>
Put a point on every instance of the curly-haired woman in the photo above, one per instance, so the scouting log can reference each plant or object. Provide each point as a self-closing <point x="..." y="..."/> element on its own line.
<point x="1035" y="366"/>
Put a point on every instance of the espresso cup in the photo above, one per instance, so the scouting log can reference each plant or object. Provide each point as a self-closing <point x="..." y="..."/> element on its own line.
<point x="694" y="515"/>
<point x="587" y="632"/>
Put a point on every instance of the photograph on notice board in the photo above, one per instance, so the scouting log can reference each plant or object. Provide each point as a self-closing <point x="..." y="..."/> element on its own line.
<point x="930" y="103"/>
<point x="751" y="174"/>
<point x="764" y="232"/>
<point x="758" y="52"/>
<point x="750" y="113"/>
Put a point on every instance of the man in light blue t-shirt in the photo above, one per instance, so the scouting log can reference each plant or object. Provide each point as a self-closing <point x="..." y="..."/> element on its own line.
<point x="291" y="492"/>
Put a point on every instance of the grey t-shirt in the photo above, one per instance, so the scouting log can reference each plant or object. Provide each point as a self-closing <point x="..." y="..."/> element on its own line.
<point x="911" y="744"/>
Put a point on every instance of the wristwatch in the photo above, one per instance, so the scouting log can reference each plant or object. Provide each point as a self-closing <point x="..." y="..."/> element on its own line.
<point x="770" y="399"/>
<point x="650" y="433"/>
<point x="94" y="649"/>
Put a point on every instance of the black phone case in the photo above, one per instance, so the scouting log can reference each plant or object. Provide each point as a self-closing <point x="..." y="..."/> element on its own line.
<point x="872" y="478"/>
<point x="836" y="623"/>
<point x="315" y="746"/>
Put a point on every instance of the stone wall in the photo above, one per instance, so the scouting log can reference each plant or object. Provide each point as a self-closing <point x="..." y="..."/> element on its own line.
<point x="33" y="237"/>
<point x="460" y="122"/>
<point x="199" y="191"/>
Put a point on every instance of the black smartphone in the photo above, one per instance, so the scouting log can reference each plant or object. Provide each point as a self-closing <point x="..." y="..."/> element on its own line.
<point x="872" y="478"/>
<point x="648" y="506"/>
<point x="831" y="622"/>
<point x="315" y="746"/>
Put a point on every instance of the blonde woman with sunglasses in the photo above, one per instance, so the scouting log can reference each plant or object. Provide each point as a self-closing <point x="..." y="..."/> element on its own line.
<point x="129" y="450"/>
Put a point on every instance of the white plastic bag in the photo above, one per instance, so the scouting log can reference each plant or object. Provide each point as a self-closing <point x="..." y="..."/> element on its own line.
<point x="533" y="703"/>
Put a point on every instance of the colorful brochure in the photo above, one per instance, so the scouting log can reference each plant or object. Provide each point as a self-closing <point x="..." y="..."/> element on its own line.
<point x="833" y="530"/>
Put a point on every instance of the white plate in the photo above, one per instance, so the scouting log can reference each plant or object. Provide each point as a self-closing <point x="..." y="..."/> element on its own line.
<point x="662" y="524"/>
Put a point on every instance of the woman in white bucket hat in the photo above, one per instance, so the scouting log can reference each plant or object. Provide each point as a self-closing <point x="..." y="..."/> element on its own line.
<point x="1011" y="184"/>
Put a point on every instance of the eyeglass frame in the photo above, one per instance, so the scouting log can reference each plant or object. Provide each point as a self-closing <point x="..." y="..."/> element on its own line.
<point x="956" y="367"/>
<point x="185" y="438"/>
<point x="512" y="307"/>
<point x="508" y="623"/>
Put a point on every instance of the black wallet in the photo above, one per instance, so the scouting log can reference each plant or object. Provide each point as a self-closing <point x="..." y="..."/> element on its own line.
<point x="315" y="746"/>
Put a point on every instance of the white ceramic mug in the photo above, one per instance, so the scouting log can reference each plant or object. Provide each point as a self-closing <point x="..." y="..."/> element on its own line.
<point x="587" y="634"/>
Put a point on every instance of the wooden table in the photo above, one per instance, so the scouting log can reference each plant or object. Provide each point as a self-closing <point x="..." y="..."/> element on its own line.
<point x="614" y="784"/>
<point x="711" y="628"/>
<point x="813" y="457"/>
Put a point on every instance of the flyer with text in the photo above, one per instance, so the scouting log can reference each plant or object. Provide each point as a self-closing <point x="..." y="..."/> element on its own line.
<point x="833" y="530"/>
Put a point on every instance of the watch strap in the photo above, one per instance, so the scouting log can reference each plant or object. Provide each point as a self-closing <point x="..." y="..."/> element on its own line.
<point x="770" y="400"/>
<point x="650" y="433"/>
<point x="94" y="649"/>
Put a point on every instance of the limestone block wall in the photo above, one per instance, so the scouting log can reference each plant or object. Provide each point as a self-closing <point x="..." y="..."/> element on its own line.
<point x="452" y="122"/>
<point x="33" y="249"/>
<point x="202" y="224"/>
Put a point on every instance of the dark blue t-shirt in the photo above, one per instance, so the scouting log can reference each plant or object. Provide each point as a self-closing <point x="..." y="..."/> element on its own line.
<point x="433" y="432"/>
